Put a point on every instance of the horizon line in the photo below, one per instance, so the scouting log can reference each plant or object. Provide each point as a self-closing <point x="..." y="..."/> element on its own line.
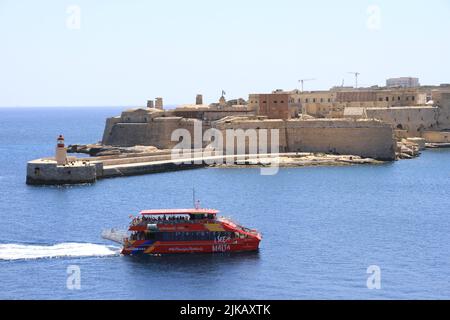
<point x="83" y="106"/>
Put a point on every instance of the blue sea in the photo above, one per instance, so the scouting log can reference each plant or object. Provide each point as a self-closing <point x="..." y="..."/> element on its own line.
<point x="322" y="226"/>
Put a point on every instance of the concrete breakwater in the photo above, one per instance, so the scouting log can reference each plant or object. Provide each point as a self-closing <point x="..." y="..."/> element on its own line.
<point x="137" y="160"/>
<point x="47" y="171"/>
<point x="88" y="170"/>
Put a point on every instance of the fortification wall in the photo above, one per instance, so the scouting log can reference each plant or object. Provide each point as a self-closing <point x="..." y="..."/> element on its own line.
<point x="145" y="134"/>
<point x="437" y="136"/>
<point x="370" y="139"/>
<point x="412" y="119"/>
<point x="110" y="122"/>
<point x="213" y="114"/>
<point x="442" y="100"/>
<point x="156" y="132"/>
<point x="365" y="138"/>
<point x="257" y="126"/>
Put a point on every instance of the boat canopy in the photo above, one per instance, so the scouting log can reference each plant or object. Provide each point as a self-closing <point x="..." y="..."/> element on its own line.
<point x="177" y="211"/>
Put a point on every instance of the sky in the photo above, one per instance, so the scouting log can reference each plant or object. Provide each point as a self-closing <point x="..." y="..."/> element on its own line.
<point x="123" y="52"/>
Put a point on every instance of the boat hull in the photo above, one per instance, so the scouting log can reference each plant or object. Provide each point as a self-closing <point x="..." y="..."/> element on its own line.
<point x="140" y="247"/>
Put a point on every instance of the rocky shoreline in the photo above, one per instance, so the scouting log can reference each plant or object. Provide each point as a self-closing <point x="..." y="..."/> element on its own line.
<point x="408" y="148"/>
<point x="98" y="150"/>
<point x="436" y="145"/>
<point x="112" y="161"/>
<point x="303" y="159"/>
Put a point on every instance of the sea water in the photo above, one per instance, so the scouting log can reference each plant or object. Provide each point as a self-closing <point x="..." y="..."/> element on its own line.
<point x="323" y="227"/>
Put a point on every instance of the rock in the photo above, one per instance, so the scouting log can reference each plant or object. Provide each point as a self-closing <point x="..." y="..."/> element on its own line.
<point x="95" y="150"/>
<point x="407" y="149"/>
<point x="420" y="142"/>
<point x="112" y="152"/>
<point x="405" y="156"/>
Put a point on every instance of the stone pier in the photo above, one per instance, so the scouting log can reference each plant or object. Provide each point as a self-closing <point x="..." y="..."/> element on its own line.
<point x="48" y="172"/>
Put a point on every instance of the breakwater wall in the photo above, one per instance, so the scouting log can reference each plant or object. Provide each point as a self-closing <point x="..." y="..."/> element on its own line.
<point x="88" y="170"/>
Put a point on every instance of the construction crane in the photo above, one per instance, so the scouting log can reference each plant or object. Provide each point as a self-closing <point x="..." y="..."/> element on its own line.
<point x="303" y="80"/>
<point x="356" y="78"/>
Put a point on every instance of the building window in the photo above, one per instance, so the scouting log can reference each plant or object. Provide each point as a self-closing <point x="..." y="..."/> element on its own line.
<point x="398" y="98"/>
<point x="387" y="98"/>
<point x="281" y="101"/>
<point x="306" y="100"/>
<point x="314" y="100"/>
<point x="329" y="100"/>
<point x="321" y="99"/>
<point x="412" y="98"/>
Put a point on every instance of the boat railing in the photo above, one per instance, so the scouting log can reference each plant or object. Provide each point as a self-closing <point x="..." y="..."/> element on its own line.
<point x="236" y="224"/>
<point x="144" y="222"/>
<point x="116" y="235"/>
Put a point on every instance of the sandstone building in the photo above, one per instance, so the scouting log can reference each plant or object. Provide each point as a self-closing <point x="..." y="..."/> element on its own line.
<point x="404" y="82"/>
<point x="410" y="109"/>
<point x="363" y="121"/>
<point x="153" y="127"/>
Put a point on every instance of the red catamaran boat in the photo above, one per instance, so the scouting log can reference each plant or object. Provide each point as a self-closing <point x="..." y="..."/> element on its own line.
<point x="185" y="231"/>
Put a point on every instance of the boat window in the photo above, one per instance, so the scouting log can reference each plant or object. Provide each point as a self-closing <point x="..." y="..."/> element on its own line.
<point x="168" y="236"/>
<point x="191" y="236"/>
<point x="150" y="236"/>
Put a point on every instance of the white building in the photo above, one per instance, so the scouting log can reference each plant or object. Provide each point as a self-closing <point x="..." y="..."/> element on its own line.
<point x="404" y="82"/>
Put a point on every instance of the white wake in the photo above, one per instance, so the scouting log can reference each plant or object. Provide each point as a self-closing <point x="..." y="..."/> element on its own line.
<point x="12" y="251"/>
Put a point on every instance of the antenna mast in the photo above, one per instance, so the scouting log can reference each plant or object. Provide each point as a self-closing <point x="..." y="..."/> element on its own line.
<point x="303" y="80"/>
<point x="356" y="78"/>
